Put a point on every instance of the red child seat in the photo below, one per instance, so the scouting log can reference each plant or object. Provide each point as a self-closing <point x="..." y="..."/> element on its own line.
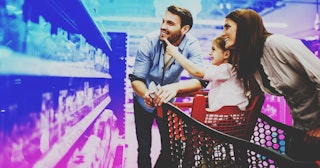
<point x="228" y="119"/>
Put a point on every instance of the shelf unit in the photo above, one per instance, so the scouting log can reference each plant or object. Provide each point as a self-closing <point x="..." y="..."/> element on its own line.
<point x="13" y="63"/>
<point x="70" y="15"/>
<point x="60" y="148"/>
<point x="40" y="77"/>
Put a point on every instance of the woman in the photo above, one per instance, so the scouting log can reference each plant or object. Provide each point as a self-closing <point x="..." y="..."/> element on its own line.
<point x="280" y="65"/>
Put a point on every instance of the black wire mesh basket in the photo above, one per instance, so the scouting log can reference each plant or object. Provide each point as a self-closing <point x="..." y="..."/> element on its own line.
<point x="283" y="139"/>
<point x="194" y="144"/>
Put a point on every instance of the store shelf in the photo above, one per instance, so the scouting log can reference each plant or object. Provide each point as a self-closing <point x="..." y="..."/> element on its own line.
<point x="54" y="71"/>
<point x="60" y="148"/>
<point x="70" y="15"/>
<point x="12" y="63"/>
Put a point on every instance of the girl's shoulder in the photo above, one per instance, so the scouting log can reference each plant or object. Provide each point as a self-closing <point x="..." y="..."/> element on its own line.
<point x="226" y="67"/>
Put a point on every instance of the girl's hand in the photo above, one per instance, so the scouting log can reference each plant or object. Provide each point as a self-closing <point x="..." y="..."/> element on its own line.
<point x="171" y="49"/>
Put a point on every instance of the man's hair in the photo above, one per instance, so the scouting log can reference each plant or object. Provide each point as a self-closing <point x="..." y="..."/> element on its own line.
<point x="185" y="15"/>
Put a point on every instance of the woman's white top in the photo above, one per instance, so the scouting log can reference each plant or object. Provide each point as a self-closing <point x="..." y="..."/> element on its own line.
<point x="294" y="71"/>
<point x="225" y="89"/>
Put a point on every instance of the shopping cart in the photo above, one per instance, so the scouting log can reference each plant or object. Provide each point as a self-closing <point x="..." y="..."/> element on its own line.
<point x="230" y="138"/>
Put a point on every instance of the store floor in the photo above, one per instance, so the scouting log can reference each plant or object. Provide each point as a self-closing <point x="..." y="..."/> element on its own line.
<point x="130" y="157"/>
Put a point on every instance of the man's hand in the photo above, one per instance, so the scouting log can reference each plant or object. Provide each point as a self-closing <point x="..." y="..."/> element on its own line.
<point x="148" y="100"/>
<point x="313" y="136"/>
<point x="165" y="94"/>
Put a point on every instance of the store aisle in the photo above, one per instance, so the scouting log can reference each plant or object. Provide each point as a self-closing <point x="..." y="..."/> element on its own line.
<point x="131" y="141"/>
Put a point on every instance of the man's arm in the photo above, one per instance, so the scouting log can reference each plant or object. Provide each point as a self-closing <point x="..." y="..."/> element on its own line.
<point x="140" y="88"/>
<point x="169" y="91"/>
<point x="141" y="70"/>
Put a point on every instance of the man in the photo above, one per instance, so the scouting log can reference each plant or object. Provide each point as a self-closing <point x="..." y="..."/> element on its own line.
<point x="152" y="64"/>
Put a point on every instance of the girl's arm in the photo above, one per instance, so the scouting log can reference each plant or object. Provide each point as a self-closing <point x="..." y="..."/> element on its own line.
<point x="183" y="61"/>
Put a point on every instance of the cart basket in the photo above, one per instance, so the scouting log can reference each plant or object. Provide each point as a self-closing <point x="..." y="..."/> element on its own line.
<point x="283" y="139"/>
<point x="193" y="144"/>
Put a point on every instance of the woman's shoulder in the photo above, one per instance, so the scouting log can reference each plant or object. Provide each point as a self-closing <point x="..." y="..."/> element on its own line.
<point x="279" y="40"/>
<point x="281" y="46"/>
<point x="275" y="38"/>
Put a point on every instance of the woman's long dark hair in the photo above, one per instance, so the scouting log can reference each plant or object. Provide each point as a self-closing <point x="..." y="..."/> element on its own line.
<point x="250" y="38"/>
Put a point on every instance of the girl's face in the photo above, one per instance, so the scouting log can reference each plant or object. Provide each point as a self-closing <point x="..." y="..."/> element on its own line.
<point x="230" y="33"/>
<point x="218" y="55"/>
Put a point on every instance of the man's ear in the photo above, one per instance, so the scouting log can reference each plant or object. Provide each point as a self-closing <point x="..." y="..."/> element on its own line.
<point x="185" y="29"/>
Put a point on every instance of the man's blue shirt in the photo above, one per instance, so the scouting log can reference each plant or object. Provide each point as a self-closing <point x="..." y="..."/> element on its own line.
<point x="149" y="61"/>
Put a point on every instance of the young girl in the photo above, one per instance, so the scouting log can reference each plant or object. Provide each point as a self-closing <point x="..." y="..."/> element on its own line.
<point x="225" y="87"/>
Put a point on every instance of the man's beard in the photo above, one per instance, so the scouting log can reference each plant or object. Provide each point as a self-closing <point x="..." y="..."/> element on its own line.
<point x="174" y="37"/>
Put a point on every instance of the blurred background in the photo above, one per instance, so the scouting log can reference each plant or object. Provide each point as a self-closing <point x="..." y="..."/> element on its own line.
<point x="65" y="96"/>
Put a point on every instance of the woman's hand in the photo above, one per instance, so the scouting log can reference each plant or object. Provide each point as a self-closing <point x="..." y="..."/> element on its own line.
<point x="313" y="136"/>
